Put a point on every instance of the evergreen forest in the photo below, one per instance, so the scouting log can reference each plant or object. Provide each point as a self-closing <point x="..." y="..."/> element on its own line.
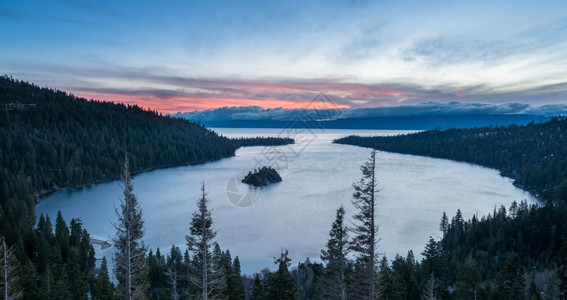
<point x="53" y="140"/>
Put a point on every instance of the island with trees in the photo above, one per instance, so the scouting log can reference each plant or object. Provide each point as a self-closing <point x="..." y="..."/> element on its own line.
<point x="262" y="177"/>
<point x="262" y="141"/>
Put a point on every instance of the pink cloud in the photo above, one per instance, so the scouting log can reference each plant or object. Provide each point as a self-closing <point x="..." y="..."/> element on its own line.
<point x="204" y="94"/>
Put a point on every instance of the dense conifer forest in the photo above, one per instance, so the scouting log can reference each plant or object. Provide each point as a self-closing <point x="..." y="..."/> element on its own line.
<point x="532" y="155"/>
<point x="58" y="140"/>
<point x="51" y="140"/>
<point x="516" y="252"/>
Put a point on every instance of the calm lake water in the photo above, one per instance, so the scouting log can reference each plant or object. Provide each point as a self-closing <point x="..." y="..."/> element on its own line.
<point x="295" y="214"/>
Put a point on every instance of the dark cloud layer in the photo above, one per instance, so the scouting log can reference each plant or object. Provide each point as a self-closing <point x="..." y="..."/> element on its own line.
<point x="251" y="113"/>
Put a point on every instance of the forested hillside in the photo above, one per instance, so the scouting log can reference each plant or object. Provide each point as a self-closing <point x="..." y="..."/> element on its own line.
<point x="535" y="155"/>
<point x="514" y="253"/>
<point x="50" y="140"/>
<point x="58" y="140"/>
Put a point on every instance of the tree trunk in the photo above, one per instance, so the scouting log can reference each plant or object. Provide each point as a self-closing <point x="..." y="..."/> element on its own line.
<point x="128" y="264"/>
<point x="204" y="253"/>
<point x="373" y="231"/>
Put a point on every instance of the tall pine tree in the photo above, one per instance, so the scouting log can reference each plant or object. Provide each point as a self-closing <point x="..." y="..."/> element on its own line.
<point x="365" y="231"/>
<point x="200" y="241"/>
<point x="130" y="268"/>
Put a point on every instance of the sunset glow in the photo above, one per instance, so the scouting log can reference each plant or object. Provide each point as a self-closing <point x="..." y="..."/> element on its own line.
<point x="192" y="55"/>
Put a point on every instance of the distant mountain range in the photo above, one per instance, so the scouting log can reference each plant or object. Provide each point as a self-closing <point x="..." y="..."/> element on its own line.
<point x="422" y="116"/>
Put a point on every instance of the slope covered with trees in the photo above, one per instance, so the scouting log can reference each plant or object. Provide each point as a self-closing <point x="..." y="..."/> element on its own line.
<point x="518" y="252"/>
<point x="514" y="253"/>
<point x="51" y="140"/>
<point x="535" y="155"/>
<point x="58" y="140"/>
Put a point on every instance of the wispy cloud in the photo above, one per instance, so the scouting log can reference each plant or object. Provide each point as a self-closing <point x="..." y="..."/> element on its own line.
<point x="200" y="55"/>
<point x="450" y="50"/>
<point x="178" y="93"/>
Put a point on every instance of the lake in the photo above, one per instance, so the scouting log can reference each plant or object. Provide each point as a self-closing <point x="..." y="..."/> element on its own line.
<point x="297" y="213"/>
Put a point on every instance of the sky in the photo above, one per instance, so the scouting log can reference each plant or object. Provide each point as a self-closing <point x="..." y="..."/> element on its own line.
<point x="176" y="56"/>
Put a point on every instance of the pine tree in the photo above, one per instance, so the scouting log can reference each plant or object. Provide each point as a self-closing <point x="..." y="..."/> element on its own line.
<point x="156" y="273"/>
<point x="239" y="292"/>
<point x="9" y="268"/>
<point x="173" y="272"/>
<point x="258" y="290"/>
<point x="130" y="267"/>
<point x="200" y="241"/>
<point x="335" y="257"/>
<point x="281" y="284"/>
<point x="221" y="272"/>
<point x="444" y="225"/>
<point x="365" y="240"/>
<point x="400" y="279"/>
<point x="62" y="235"/>
<point x="77" y="283"/>
<point x="29" y="280"/>
<point x="385" y="280"/>
<point x="457" y="223"/>
<point x="60" y="281"/>
<point x="433" y="266"/>
<point x="103" y="288"/>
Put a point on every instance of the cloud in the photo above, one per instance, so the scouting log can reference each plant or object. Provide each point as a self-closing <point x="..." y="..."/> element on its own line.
<point x="256" y="113"/>
<point x="154" y="88"/>
<point x="202" y="55"/>
<point x="438" y="109"/>
<point x="490" y="48"/>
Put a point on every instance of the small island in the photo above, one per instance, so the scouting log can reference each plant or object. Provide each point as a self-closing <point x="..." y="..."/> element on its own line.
<point x="262" y="177"/>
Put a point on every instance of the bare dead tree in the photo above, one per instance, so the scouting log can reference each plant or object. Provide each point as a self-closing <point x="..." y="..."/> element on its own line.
<point x="9" y="265"/>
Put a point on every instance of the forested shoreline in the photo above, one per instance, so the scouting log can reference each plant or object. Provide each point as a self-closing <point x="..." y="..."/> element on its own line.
<point x="54" y="140"/>
<point x="516" y="252"/>
<point x="59" y="141"/>
<point x="532" y="155"/>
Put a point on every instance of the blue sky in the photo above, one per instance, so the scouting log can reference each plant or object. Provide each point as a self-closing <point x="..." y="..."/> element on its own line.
<point x="186" y="55"/>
